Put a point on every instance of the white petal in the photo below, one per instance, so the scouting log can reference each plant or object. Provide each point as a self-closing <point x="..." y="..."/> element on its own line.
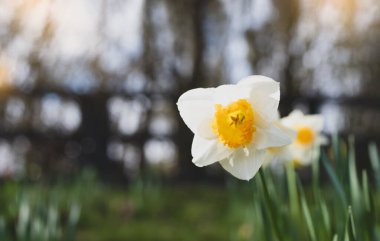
<point x="285" y="154"/>
<point x="226" y="94"/>
<point x="315" y="122"/>
<point x="195" y="107"/>
<point x="269" y="158"/>
<point x="264" y="95"/>
<point x="293" y="119"/>
<point x="206" y="152"/>
<point x="290" y="132"/>
<point x="322" y="140"/>
<point x="273" y="136"/>
<point x="297" y="119"/>
<point x="296" y="152"/>
<point x="297" y="114"/>
<point x="242" y="166"/>
<point x="265" y="84"/>
<point x="205" y="130"/>
<point x="279" y="156"/>
<point x="259" y="121"/>
<point x="306" y="156"/>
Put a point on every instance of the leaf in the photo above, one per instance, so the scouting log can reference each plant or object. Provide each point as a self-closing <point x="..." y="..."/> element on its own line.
<point x="315" y="175"/>
<point x="270" y="208"/>
<point x="293" y="192"/>
<point x="325" y="216"/>
<point x="334" y="179"/>
<point x="2" y="228"/>
<point x="306" y="213"/>
<point x="337" y="154"/>
<point x="353" y="175"/>
<point x="349" y="233"/>
<point x="369" y="215"/>
<point x="335" y="238"/>
<point x="375" y="162"/>
<point x="366" y="191"/>
<point x="309" y="222"/>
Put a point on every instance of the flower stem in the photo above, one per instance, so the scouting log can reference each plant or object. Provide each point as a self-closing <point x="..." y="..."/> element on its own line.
<point x="269" y="205"/>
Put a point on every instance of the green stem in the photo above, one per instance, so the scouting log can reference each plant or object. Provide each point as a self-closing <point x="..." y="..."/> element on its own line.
<point x="269" y="205"/>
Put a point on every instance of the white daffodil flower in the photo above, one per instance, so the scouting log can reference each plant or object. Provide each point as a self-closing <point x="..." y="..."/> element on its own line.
<point x="234" y="124"/>
<point x="304" y="148"/>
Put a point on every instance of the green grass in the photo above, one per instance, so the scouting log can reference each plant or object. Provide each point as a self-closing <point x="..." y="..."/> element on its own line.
<point x="232" y="212"/>
<point x="175" y="213"/>
<point x="344" y="206"/>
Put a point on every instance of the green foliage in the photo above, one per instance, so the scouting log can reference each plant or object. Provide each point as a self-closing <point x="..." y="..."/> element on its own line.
<point x="338" y="203"/>
<point x="39" y="212"/>
<point x="38" y="216"/>
<point x="147" y="211"/>
<point x="344" y="207"/>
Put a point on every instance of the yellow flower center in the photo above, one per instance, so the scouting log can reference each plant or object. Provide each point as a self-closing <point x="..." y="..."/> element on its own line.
<point x="305" y="136"/>
<point x="233" y="124"/>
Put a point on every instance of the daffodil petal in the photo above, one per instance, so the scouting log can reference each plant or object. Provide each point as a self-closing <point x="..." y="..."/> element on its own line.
<point x="206" y="152"/>
<point x="195" y="107"/>
<point x="205" y="130"/>
<point x="225" y="94"/>
<point x="269" y="158"/>
<point x="315" y="122"/>
<point x="305" y="157"/>
<point x="259" y="121"/>
<point x="290" y="132"/>
<point x="273" y="137"/>
<point x="293" y="119"/>
<point x="322" y="140"/>
<point x="262" y="86"/>
<point x="264" y="95"/>
<point x="244" y="166"/>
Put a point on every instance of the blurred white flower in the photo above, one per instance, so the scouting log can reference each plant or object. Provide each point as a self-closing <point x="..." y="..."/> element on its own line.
<point x="234" y="124"/>
<point x="304" y="148"/>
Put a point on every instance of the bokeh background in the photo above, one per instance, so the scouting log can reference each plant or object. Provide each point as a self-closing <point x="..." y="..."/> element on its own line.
<point x="94" y="83"/>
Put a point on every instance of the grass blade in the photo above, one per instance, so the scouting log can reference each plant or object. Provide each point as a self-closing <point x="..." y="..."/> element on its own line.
<point x="375" y="162"/>
<point x="334" y="179"/>
<point x="335" y="238"/>
<point x="315" y="174"/>
<point x="350" y="234"/>
<point x="307" y="216"/>
<point x="337" y="151"/>
<point x="325" y="216"/>
<point x="293" y="192"/>
<point x="353" y="175"/>
<point x="269" y="206"/>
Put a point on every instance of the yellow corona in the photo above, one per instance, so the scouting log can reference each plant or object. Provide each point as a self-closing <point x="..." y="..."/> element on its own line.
<point x="305" y="136"/>
<point x="233" y="124"/>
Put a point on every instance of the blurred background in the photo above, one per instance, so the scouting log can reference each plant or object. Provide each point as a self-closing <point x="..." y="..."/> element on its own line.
<point x="93" y="84"/>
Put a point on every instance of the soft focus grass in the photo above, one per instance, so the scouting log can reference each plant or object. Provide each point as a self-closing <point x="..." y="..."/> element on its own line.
<point x="338" y="203"/>
<point x="172" y="213"/>
<point x="143" y="211"/>
<point x="196" y="212"/>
